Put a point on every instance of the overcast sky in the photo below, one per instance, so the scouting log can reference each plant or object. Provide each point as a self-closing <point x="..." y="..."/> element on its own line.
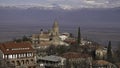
<point x="66" y="4"/>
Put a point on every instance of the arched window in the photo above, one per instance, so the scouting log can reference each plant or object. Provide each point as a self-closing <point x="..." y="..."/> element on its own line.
<point x="18" y="63"/>
<point x="13" y="62"/>
<point x="22" y="61"/>
<point x="32" y="60"/>
<point x="27" y="61"/>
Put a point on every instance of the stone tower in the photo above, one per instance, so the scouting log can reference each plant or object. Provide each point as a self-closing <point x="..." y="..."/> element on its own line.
<point x="55" y="28"/>
<point x="55" y="34"/>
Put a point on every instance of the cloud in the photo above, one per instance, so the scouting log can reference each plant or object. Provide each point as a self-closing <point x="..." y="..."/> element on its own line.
<point x="65" y="4"/>
<point x="90" y="2"/>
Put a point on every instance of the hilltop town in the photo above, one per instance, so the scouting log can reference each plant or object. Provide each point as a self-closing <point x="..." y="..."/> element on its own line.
<point x="52" y="49"/>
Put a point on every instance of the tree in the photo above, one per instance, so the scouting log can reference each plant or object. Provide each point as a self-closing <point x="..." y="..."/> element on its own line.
<point x="71" y="35"/>
<point x="61" y="49"/>
<point x="109" y="52"/>
<point x="51" y="50"/>
<point x="25" y="38"/>
<point x="117" y="53"/>
<point x="79" y="37"/>
<point x="17" y="40"/>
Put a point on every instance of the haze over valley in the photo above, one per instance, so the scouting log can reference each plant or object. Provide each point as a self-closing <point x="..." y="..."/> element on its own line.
<point x="98" y="24"/>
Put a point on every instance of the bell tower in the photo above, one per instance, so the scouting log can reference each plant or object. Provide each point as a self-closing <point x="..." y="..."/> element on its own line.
<point x="55" y="34"/>
<point x="55" y="28"/>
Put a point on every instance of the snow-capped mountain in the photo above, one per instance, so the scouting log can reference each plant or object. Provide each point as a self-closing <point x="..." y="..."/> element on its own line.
<point x="61" y="4"/>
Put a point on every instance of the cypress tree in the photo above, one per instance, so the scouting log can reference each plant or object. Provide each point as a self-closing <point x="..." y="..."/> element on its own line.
<point x="109" y="52"/>
<point x="79" y="37"/>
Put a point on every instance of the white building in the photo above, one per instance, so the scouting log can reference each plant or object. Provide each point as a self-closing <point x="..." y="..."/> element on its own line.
<point x="101" y="53"/>
<point x="51" y="61"/>
<point x="18" y="54"/>
<point x="85" y="42"/>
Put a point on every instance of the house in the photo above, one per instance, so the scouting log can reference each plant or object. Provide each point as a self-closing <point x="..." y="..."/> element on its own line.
<point x="51" y="61"/>
<point x="64" y="36"/>
<point x="70" y="41"/>
<point x="18" y="54"/>
<point x="85" y="42"/>
<point x="101" y="53"/>
<point x="102" y="64"/>
<point x="77" y="60"/>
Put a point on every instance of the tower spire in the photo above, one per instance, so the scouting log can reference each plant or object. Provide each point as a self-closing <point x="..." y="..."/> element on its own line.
<point x="55" y="28"/>
<point x="55" y="24"/>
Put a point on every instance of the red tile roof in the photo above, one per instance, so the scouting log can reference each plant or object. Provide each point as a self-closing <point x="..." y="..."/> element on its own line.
<point x="44" y="35"/>
<point x="13" y="48"/>
<point x="70" y="41"/>
<point x="101" y="62"/>
<point x="71" y="55"/>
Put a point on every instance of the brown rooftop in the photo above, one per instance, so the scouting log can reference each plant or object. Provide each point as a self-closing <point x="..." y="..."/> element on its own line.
<point x="71" y="55"/>
<point x="101" y="62"/>
<point x="44" y="35"/>
<point x="13" y="48"/>
<point x="44" y="43"/>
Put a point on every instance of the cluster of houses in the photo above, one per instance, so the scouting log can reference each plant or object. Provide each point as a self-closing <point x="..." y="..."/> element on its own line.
<point x="23" y="54"/>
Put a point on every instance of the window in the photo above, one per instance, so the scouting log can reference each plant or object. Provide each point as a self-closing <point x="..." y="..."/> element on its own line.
<point x="10" y="56"/>
<point x="5" y="56"/>
<point x="13" y="56"/>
